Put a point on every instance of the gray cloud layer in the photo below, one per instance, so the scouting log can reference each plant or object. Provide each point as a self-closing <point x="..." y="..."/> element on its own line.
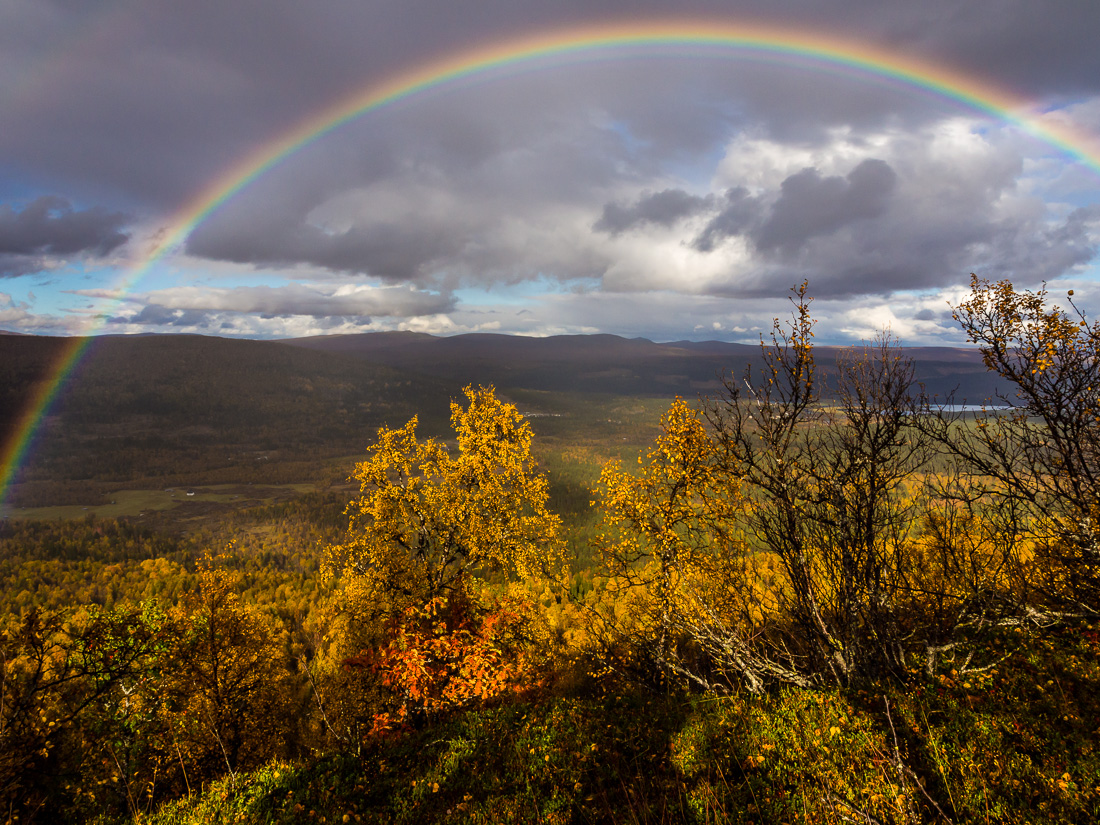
<point x="49" y="227"/>
<point x="810" y="205"/>
<point x="664" y="208"/>
<point x="149" y="103"/>
<point x="683" y="170"/>
<point x="215" y="309"/>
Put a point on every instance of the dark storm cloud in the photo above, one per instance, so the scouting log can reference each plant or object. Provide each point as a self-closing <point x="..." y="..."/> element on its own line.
<point x="894" y="253"/>
<point x="810" y="204"/>
<point x="469" y="212"/>
<point x="1035" y="48"/>
<point x="49" y="228"/>
<point x="158" y="316"/>
<point x="179" y="92"/>
<point x="510" y="176"/>
<point x="392" y="252"/>
<point x="50" y="225"/>
<point x="661" y="208"/>
<point x="740" y="212"/>
<point x="1047" y="253"/>
<point x="876" y="230"/>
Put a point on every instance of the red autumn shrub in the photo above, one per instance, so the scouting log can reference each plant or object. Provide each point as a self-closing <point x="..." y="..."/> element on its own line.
<point x="447" y="654"/>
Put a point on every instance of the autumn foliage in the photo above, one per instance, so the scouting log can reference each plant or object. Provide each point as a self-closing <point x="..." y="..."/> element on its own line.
<point x="815" y="527"/>
<point x="869" y="580"/>
<point x="669" y="547"/>
<point x="426" y="514"/>
<point x="432" y="532"/>
<point x="447" y="654"/>
<point x="135" y="705"/>
<point x="1045" y="458"/>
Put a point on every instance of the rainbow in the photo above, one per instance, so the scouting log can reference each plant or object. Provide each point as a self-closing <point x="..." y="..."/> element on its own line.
<point x="592" y="42"/>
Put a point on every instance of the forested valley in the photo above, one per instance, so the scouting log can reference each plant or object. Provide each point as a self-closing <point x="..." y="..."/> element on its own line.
<point x="812" y="592"/>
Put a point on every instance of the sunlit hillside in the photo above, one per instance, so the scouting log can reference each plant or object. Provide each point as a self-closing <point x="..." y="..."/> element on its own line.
<point x="253" y="581"/>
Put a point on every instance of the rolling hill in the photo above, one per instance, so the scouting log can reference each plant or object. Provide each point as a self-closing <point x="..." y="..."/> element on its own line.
<point x="186" y="409"/>
<point x="622" y="366"/>
<point x="195" y="407"/>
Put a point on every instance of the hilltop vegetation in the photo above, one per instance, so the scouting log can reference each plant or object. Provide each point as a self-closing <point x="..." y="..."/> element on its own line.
<point x="812" y="597"/>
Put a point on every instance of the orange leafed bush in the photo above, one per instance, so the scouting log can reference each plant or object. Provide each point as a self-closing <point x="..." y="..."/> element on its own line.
<point x="449" y="653"/>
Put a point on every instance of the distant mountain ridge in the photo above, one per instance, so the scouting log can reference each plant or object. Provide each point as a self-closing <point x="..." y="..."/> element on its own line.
<point x="158" y="404"/>
<point x="193" y="377"/>
<point x="626" y="366"/>
<point x="202" y="407"/>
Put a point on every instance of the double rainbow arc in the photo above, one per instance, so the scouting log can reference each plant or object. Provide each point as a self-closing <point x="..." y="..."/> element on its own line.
<point x="603" y="42"/>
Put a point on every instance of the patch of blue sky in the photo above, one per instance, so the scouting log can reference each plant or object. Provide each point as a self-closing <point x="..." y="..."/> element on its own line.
<point x="14" y="191"/>
<point x="694" y="170"/>
<point x="50" y="291"/>
<point x="522" y="293"/>
<point x="1053" y="171"/>
<point x="18" y="188"/>
<point x="30" y="289"/>
<point x="633" y="144"/>
<point x="171" y="273"/>
<point x="1088" y="273"/>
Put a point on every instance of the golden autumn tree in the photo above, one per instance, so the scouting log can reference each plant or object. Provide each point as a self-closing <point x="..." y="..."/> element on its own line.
<point x="664" y="545"/>
<point x="231" y="694"/>
<point x="431" y="524"/>
<point x="447" y="654"/>
<point x="775" y="537"/>
<point x="428" y="514"/>
<point x="832" y="486"/>
<point x="1044" y="457"/>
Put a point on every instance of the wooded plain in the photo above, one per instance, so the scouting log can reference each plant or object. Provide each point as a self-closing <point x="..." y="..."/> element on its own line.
<point x="399" y="578"/>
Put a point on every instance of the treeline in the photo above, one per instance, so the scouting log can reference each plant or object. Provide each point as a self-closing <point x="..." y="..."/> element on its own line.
<point x="175" y="667"/>
<point x="271" y="549"/>
<point x="886" y="579"/>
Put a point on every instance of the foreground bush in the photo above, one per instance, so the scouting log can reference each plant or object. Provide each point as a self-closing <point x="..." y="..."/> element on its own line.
<point x="112" y="711"/>
<point x="1016" y="746"/>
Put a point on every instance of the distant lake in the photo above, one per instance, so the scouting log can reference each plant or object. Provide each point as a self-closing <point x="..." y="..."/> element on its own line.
<point x="964" y="408"/>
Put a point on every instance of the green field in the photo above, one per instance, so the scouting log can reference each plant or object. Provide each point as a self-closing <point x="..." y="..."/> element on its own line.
<point x="138" y="503"/>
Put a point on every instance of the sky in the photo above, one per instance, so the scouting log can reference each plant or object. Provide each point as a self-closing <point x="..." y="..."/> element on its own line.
<point x="671" y="192"/>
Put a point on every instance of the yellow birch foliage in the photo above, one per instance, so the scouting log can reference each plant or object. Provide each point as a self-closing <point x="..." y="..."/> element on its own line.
<point x="661" y="521"/>
<point x="1047" y="453"/>
<point x="427" y="514"/>
<point x="232" y="689"/>
<point x="666" y="538"/>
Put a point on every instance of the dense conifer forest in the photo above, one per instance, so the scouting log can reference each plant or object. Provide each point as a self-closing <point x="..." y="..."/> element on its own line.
<point x="815" y="594"/>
